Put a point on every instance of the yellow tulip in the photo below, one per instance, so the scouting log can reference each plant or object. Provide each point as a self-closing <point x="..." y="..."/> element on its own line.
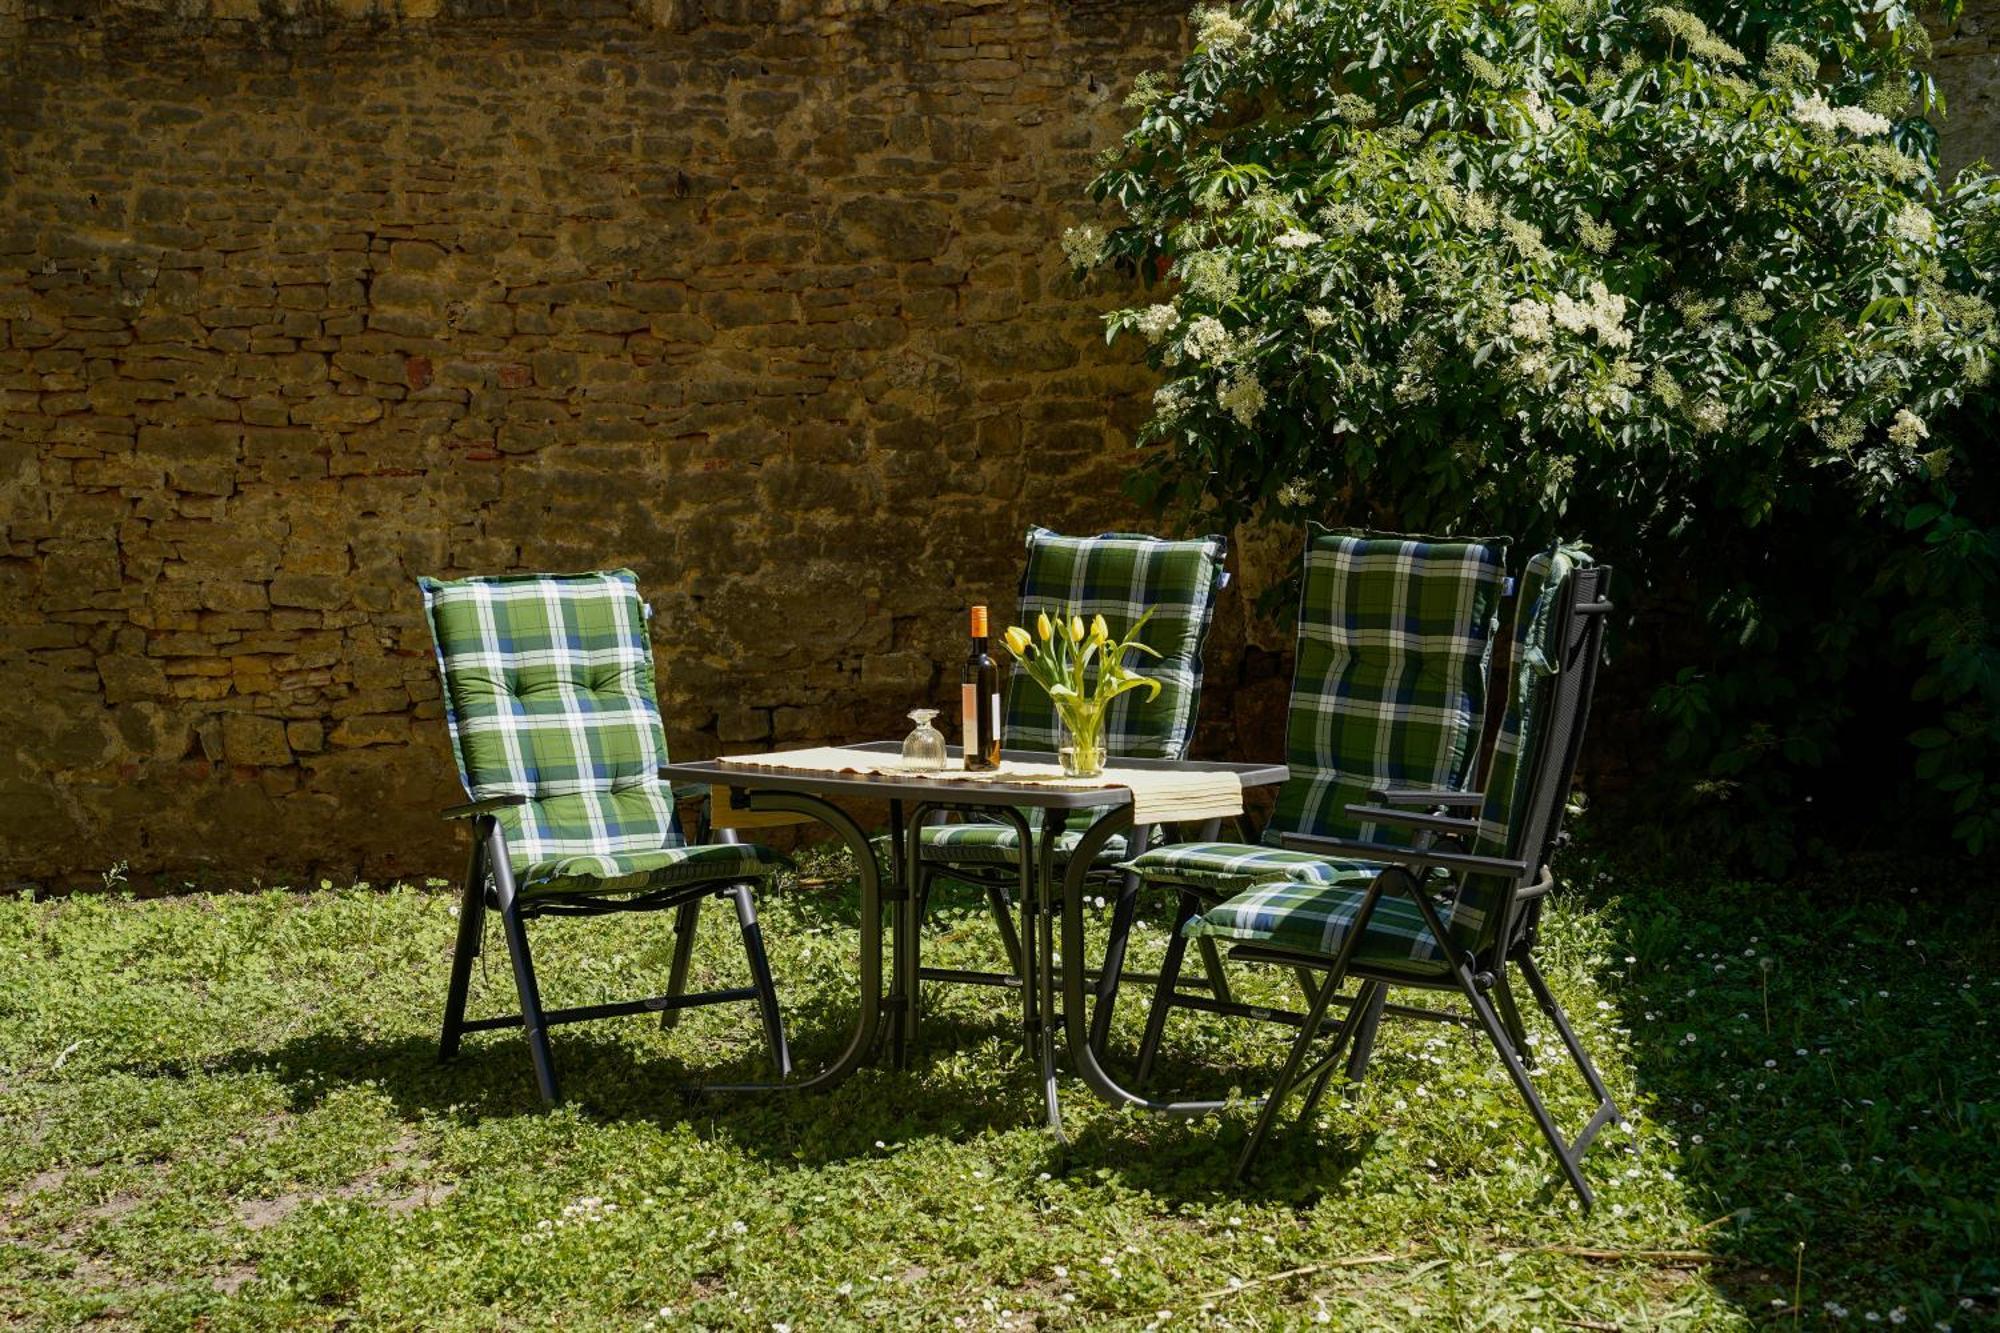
<point x="1099" y="630"/>
<point x="1042" y="626"/>
<point x="1017" y="640"/>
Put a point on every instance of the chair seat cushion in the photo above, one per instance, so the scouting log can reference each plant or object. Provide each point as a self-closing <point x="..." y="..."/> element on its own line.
<point x="660" y="867"/>
<point x="1230" y="867"/>
<point x="999" y="844"/>
<point x="1316" y="918"/>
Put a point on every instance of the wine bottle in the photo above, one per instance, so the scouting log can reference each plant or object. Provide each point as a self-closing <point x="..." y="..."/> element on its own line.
<point x="979" y="700"/>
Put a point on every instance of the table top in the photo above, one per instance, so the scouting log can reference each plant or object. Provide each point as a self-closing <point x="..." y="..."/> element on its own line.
<point x="916" y="786"/>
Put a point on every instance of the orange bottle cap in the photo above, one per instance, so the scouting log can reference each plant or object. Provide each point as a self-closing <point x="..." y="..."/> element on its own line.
<point x="978" y="622"/>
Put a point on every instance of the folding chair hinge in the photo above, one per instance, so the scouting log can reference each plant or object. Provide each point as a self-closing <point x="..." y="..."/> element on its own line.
<point x="1483" y="980"/>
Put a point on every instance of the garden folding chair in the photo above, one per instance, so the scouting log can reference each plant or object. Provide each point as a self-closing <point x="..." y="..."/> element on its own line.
<point x="1389" y="689"/>
<point x="1460" y="908"/>
<point x="549" y="696"/>
<point x="1120" y="576"/>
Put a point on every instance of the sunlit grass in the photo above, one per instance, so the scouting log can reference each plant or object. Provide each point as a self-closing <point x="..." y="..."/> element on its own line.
<point x="229" y="1109"/>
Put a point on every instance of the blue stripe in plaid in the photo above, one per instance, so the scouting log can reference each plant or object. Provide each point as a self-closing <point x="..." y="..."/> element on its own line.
<point x="1316" y="918"/>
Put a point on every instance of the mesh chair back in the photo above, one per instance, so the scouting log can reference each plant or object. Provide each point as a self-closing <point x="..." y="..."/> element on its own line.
<point x="1121" y="576"/>
<point x="1394" y="643"/>
<point x="1558" y="641"/>
<point x="549" y="694"/>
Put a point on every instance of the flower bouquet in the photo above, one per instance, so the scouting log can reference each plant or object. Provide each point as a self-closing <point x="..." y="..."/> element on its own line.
<point x="1059" y="657"/>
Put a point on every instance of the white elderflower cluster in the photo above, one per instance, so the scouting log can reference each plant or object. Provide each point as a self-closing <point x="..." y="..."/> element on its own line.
<point x="1528" y="321"/>
<point x="1206" y="339"/>
<point x="1346" y="219"/>
<point x="1294" y="239"/>
<point x="1476" y="211"/>
<point x="1527" y="239"/>
<point x="1242" y="397"/>
<point x="1913" y="223"/>
<point x="1218" y="29"/>
<point x="1210" y="275"/>
<point x="1597" y="237"/>
<point x="1297" y="492"/>
<point x="1815" y="113"/>
<point x="1170" y="401"/>
<point x="1709" y="415"/>
<point x="1156" y="321"/>
<point x="1908" y="429"/>
<point x="1318" y="316"/>
<point x="1538" y="112"/>
<point x="1387" y="299"/>
<point x="1082" y="246"/>
<point x="1603" y="314"/>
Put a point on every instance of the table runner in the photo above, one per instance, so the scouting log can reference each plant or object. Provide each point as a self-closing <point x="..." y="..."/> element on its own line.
<point x="1158" y="795"/>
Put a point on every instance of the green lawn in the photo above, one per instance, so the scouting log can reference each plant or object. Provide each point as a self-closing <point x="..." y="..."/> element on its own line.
<point x="227" y="1110"/>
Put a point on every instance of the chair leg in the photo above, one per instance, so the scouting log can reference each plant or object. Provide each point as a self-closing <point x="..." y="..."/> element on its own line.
<point x="1122" y="915"/>
<point x="1518" y="1072"/>
<point x="530" y="994"/>
<point x="1002" y="908"/>
<point x="471" y="934"/>
<point x="686" y="917"/>
<point x="1362" y="1019"/>
<point x="1510" y="1013"/>
<point x="1287" y="1076"/>
<point x="760" y="977"/>
<point x="1539" y="988"/>
<point x="1163" y="990"/>
<point x="1364" y="1038"/>
<point x="1211" y="963"/>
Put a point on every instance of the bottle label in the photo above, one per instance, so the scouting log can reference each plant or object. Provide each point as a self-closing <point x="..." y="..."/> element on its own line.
<point x="994" y="698"/>
<point x="968" y="708"/>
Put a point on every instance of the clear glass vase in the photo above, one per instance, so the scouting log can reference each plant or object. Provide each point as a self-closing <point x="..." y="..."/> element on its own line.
<point x="1080" y="738"/>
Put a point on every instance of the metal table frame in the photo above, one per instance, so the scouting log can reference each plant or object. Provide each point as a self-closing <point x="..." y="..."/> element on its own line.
<point x="911" y="799"/>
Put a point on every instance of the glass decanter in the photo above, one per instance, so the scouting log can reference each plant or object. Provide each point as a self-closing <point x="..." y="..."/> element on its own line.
<point x="923" y="748"/>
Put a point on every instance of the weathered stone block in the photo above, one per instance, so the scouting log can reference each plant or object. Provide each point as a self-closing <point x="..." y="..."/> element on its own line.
<point x="250" y="739"/>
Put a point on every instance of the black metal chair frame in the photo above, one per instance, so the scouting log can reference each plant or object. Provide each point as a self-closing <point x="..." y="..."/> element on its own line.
<point x="1482" y="979"/>
<point x="998" y="883"/>
<point x="489" y="885"/>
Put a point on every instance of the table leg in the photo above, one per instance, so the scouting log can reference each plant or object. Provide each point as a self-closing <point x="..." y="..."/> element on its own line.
<point x="1045" y="945"/>
<point x="867" y="1023"/>
<point x="1076" y="1014"/>
<point x="902" y="964"/>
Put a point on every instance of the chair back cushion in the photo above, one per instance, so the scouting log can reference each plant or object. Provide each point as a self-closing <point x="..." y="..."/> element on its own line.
<point x="1540" y="724"/>
<point x="1121" y="576"/>
<point x="549" y="693"/>
<point x="1395" y="639"/>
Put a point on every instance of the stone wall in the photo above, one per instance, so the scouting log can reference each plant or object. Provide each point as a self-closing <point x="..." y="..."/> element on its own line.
<point x="763" y="300"/>
<point x="300" y="299"/>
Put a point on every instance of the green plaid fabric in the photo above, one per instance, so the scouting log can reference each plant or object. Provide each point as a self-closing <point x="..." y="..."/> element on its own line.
<point x="1317" y="917"/>
<point x="1315" y="909"/>
<point x="549" y="694"/>
<point x="1121" y="576"/>
<point x="1503" y="817"/>
<point x="1224" y="868"/>
<point x="1395" y="637"/>
<point x="997" y="844"/>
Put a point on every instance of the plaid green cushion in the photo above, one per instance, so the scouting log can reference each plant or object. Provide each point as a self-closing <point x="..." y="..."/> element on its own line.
<point x="1121" y="576"/>
<point x="626" y="872"/>
<point x="1231" y="867"/>
<point x="1395" y="637"/>
<point x="1503" y="816"/>
<point x="548" y="692"/>
<point x="998" y="844"/>
<point x="1316" y="918"/>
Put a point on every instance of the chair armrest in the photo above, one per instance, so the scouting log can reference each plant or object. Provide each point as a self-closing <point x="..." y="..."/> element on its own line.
<point x="1445" y="824"/>
<point x="1417" y="858"/>
<point x="490" y="805"/>
<point x="1449" y="799"/>
<point x="690" y="791"/>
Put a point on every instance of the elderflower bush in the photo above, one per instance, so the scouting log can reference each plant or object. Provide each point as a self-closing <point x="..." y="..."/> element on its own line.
<point x="1596" y="267"/>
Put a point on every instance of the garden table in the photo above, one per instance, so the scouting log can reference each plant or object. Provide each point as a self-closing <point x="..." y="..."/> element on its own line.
<point x="743" y="793"/>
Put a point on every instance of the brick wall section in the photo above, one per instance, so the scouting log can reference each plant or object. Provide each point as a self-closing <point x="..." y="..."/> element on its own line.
<point x="299" y="301"/>
<point x="764" y="301"/>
